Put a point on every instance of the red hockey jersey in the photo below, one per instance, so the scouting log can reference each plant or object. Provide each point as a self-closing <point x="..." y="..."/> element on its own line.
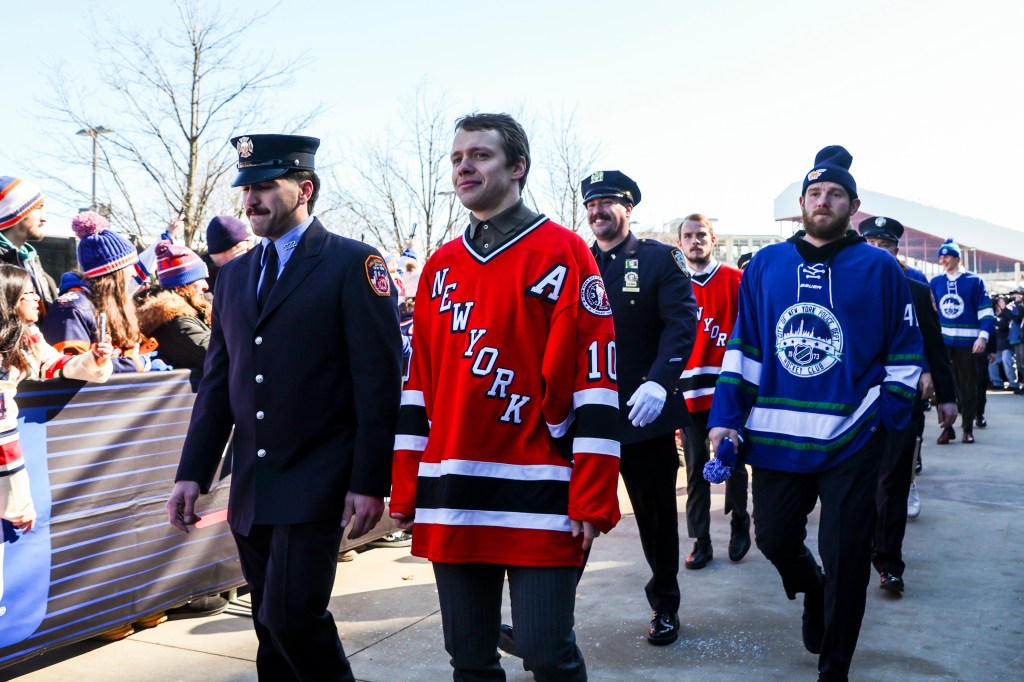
<point x="513" y="355"/>
<point x="717" y="307"/>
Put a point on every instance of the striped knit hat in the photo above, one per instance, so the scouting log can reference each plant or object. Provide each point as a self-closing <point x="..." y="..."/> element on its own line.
<point x="101" y="250"/>
<point x="178" y="266"/>
<point x="950" y="248"/>
<point x="17" y="199"/>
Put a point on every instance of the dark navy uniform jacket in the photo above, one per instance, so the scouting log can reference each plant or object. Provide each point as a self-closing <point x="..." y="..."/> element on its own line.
<point x="655" y="318"/>
<point x="311" y="385"/>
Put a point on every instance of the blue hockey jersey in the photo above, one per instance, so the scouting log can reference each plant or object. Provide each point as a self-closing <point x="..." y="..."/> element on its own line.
<point x="965" y="310"/>
<point x="822" y="352"/>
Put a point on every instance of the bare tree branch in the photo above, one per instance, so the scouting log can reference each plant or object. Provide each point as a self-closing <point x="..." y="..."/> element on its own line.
<point x="172" y="98"/>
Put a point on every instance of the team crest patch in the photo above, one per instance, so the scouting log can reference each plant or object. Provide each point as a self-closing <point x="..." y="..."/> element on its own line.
<point x="815" y="174"/>
<point x="808" y="340"/>
<point x="680" y="260"/>
<point x="594" y="296"/>
<point x="244" y="147"/>
<point x="378" y="276"/>
<point x="68" y="297"/>
<point x="951" y="306"/>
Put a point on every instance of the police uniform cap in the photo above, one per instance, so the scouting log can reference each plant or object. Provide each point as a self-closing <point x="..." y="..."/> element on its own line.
<point x="881" y="228"/>
<point x="266" y="157"/>
<point x="616" y="184"/>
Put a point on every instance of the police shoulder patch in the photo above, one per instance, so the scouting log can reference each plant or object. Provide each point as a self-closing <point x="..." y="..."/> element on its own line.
<point x="680" y="261"/>
<point x="378" y="276"/>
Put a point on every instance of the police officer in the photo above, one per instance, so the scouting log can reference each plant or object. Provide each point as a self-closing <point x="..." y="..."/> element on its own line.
<point x="305" y="362"/>
<point x="655" y="318"/>
<point x="902" y="447"/>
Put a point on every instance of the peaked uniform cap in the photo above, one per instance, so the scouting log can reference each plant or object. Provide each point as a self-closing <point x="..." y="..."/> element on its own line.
<point x="881" y="228"/>
<point x="266" y="157"/>
<point x="611" y="183"/>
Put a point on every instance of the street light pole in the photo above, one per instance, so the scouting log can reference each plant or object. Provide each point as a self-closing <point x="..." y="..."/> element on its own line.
<point x="94" y="133"/>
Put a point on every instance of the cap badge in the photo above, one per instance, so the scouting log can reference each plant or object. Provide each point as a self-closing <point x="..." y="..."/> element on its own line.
<point x="244" y="147"/>
<point x="597" y="177"/>
<point x="815" y="174"/>
<point x="879" y="222"/>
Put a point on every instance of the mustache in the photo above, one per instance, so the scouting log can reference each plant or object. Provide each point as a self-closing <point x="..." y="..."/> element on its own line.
<point x="600" y="216"/>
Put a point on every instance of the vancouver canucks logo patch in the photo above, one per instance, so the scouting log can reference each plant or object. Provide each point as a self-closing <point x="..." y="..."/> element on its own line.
<point x="808" y="340"/>
<point x="951" y="306"/>
<point x="378" y="276"/>
<point x="594" y="296"/>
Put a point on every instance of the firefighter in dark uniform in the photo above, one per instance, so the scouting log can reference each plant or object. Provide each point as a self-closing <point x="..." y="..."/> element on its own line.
<point x="305" y="363"/>
<point x="655" y="318"/>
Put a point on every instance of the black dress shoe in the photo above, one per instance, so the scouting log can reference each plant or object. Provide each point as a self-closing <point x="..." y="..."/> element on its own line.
<point x="968" y="437"/>
<point x="891" y="582"/>
<point x="664" y="628"/>
<point x="813" y="629"/>
<point x="701" y="554"/>
<point x="980" y="421"/>
<point x="507" y="641"/>
<point x="739" y="540"/>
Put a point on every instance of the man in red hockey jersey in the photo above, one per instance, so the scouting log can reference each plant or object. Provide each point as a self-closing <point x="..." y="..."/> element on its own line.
<point x="506" y="458"/>
<point x="716" y="288"/>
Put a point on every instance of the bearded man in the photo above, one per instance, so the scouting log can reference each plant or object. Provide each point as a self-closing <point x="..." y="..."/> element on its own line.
<point x="818" y="368"/>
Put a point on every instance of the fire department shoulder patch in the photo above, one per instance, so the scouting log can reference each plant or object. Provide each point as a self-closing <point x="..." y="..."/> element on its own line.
<point x="378" y="276"/>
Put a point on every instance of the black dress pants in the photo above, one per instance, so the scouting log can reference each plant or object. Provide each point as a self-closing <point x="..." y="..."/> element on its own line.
<point x="649" y="471"/>
<point x="782" y="502"/>
<point x="894" y="476"/>
<point x="543" y="601"/>
<point x="698" y="490"/>
<point x="290" y="570"/>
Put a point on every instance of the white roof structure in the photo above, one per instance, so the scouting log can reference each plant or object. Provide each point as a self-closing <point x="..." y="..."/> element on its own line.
<point x="970" y="232"/>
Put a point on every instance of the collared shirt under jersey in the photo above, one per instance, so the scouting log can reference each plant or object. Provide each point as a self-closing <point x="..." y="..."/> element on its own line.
<point x="285" y="245"/>
<point x="488" y="235"/>
<point x="705" y="272"/>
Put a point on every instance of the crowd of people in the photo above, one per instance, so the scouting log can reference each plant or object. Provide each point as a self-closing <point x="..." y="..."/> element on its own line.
<point x="498" y="419"/>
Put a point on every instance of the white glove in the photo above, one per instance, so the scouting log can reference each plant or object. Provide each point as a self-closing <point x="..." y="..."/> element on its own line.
<point x="647" y="403"/>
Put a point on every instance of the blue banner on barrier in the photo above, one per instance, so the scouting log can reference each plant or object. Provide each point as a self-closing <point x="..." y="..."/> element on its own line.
<point x="101" y="463"/>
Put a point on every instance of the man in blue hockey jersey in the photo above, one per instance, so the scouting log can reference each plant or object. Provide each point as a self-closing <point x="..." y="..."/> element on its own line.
<point x="965" y="312"/>
<point x="823" y="359"/>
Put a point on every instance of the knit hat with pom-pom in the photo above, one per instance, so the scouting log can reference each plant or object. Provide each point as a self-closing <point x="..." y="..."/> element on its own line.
<point x="101" y="250"/>
<point x="178" y="266"/>
<point x="950" y="248"/>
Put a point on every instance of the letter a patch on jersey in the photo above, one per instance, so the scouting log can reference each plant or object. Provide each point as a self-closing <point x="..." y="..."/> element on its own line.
<point x="378" y="276"/>
<point x="549" y="286"/>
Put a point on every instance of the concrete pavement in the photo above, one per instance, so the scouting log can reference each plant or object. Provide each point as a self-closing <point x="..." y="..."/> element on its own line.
<point x="961" y="618"/>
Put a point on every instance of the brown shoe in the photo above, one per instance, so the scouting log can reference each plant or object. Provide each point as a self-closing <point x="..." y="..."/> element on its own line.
<point x="968" y="437"/>
<point x="116" y="634"/>
<point x="150" y="621"/>
<point x="947" y="435"/>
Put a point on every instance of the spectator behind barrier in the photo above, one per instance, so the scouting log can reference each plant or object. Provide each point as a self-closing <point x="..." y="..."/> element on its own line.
<point x="178" y="317"/>
<point x="25" y="355"/>
<point x="105" y="286"/>
<point x="21" y="221"/>
<point x="227" y="238"/>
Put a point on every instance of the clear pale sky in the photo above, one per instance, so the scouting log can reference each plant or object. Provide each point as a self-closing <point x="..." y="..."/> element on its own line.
<point x="713" y="107"/>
